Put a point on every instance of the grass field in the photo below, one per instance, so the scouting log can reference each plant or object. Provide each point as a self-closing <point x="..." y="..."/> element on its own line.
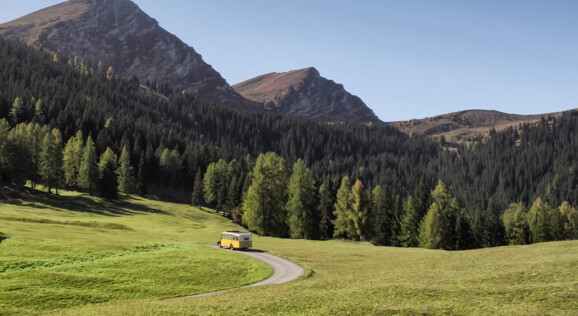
<point x="87" y="256"/>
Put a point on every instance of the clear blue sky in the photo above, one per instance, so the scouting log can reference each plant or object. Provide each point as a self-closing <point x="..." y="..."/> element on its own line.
<point x="405" y="59"/>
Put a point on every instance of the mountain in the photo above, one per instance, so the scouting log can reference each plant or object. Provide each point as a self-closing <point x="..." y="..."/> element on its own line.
<point x="306" y="93"/>
<point x="119" y="34"/>
<point x="465" y="125"/>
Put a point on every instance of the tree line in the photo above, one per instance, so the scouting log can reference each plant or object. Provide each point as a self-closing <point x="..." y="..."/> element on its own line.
<point x="291" y="204"/>
<point x="172" y="139"/>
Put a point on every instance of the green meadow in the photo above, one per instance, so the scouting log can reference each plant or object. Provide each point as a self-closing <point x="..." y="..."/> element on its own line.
<point x="80" y="255"/>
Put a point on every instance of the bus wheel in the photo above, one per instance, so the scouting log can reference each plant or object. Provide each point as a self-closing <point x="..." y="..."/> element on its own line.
<point x="231" y="246"/>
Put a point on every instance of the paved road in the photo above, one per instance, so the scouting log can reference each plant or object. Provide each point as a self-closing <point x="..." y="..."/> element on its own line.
<point x="283" y="270"/>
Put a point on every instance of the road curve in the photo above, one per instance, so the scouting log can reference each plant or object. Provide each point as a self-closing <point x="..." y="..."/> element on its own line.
<point x="283" y="270"/>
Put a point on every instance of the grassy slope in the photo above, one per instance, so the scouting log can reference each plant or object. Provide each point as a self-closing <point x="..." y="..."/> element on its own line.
<point x="76" y="250"/>
<point x="341" y="277"/>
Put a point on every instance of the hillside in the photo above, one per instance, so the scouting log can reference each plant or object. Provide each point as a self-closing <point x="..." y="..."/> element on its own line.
<point x="306" y="93"/>
<point x="79" y="255"/>
<point x="119" y="34"/>
<point x="119" y="112"/>
<point x="467" y="125"/>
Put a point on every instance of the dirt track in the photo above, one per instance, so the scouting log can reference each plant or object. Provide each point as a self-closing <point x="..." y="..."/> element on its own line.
<point x="283" y="270"/>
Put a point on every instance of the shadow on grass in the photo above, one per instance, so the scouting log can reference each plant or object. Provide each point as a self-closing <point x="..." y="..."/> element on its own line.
<point x="83" y="203"/>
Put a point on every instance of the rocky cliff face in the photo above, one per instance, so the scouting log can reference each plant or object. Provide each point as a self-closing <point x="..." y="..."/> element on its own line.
<point x="305" y="93"/>
<point x="119" y="34"/>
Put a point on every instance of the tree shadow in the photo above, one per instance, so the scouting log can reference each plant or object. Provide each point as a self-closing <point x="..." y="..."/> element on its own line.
<point x="83" y="203"/>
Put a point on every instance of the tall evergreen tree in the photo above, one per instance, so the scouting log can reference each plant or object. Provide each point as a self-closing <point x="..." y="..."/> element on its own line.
<point x="197" y="196"/>
<point x="72" y="157"/>
<point x="264" y="204"/>
<point x="88" y="174"/>
<point x="51" y="160"/>
<point x="409" y="224"/>
<point x="126" y="182"/>
<point x="325" y="208"/>
<point x="493" y="231"/>
<point x="383" y="205"/>
<point x="141" y="180"/>
<point x="516" y="225"/>
<point x="301" y="203"/>
<point x="539" y="221"/>
<point x="108" y="176"/>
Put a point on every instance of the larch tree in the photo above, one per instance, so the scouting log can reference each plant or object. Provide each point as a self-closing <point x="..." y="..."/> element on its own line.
<point x="72" y="156"/>
<point x="432" y="229"/>
<point x="301" y="203"/>
<point x="539" y="221"/>
<point x="516" y="225"/>
<point x="51" y="160"/>
<point x="88" y="174"/>
<point x="342" y="210"/>
<point x="126" y="181"/>
<point x="360" y="208"/>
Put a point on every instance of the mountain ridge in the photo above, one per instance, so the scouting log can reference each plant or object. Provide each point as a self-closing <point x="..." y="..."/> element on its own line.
<point x="119" y="34"/>
<point x="464" y="125"/>
<point x="304" y="92"/>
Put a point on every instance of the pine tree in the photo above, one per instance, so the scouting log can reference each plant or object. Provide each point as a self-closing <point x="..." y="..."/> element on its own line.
<point x="301" y="203"/>
<point x="264" y="204"/>
<point x="125" y="173"/>
<point x="88" y="174"/>
<point x="108" y="176"/>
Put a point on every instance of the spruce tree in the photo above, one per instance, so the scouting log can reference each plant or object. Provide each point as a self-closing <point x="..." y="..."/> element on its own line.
<point x="197" y="196"/>
<point x="88" y="174"/>
<point x="325" y="208"/>
<point x="141" y="181"/>
<point x="409" y="234"/>
<point x="301" y="202"/>
<point x="108" y="176"/>
<point x="264" y="204"/>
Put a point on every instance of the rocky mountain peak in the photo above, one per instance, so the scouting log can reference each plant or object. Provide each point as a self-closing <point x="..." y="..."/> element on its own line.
<point x="119" y="34"/>
<point x="306" y="93"/>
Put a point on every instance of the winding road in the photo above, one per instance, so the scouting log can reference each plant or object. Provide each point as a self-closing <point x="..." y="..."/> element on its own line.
<point x="283" y="270"/>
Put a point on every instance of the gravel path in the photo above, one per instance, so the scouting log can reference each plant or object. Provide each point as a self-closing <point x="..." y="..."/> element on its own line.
<point x="283" y="270"/>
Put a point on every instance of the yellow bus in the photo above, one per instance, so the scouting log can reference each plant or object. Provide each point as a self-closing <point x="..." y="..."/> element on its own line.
<point x="235" y="240"/>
